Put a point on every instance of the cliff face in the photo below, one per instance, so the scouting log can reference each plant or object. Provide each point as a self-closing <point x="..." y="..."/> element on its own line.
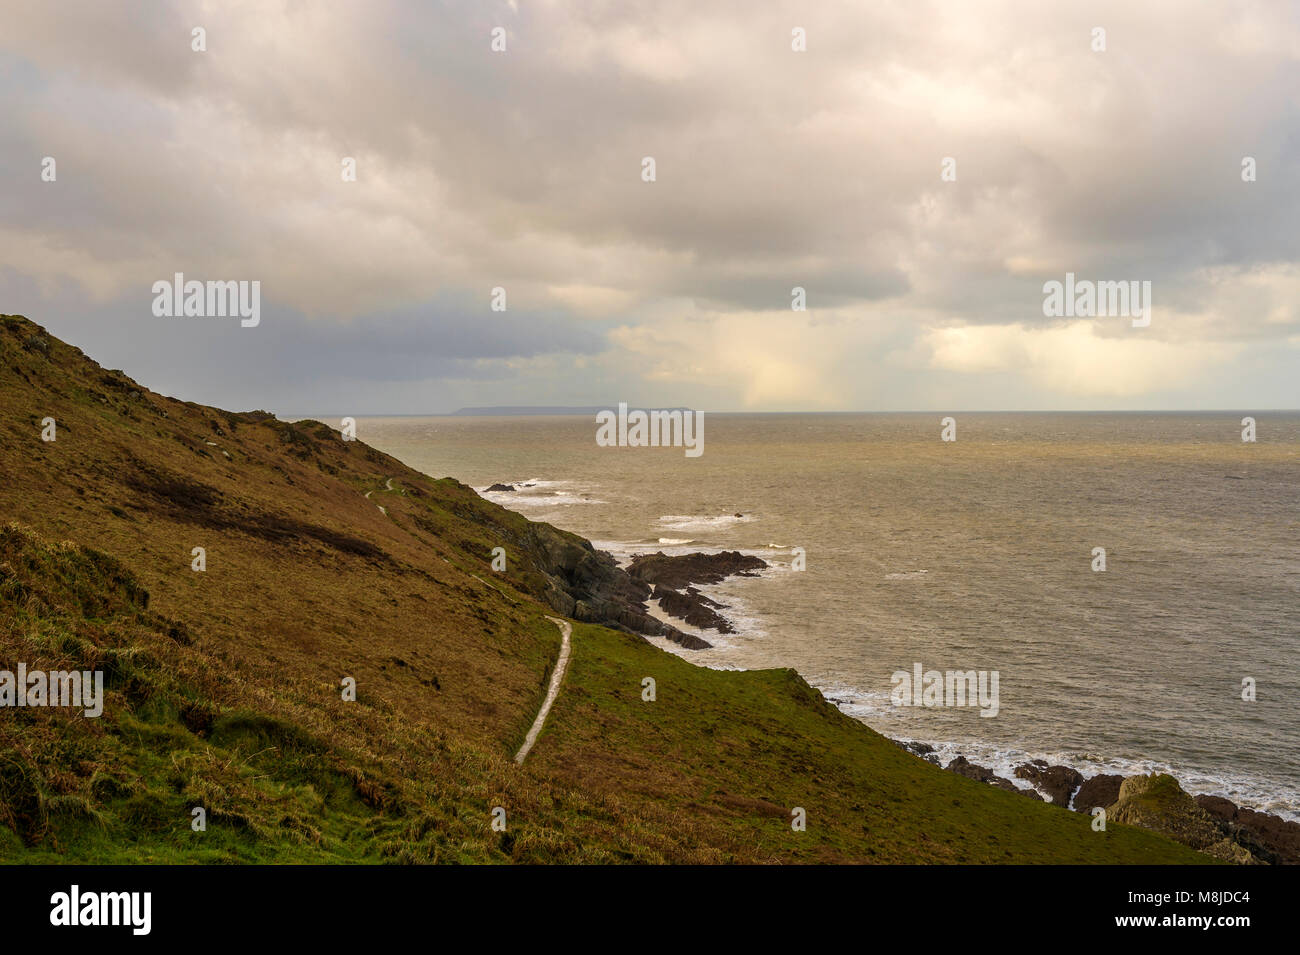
<point x="588" y="585"/>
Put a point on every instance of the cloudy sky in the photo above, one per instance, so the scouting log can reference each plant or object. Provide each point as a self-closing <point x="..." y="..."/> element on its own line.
<point x="775" y="168"/>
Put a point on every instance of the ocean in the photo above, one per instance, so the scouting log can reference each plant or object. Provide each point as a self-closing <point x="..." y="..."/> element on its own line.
<point x="975" y="554"/>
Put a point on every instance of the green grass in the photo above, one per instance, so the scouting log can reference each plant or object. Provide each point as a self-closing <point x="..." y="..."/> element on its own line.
<point x="730" y="754"/>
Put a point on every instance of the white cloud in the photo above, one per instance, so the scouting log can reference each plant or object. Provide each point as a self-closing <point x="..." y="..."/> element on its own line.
<point x="1073" y="359"/>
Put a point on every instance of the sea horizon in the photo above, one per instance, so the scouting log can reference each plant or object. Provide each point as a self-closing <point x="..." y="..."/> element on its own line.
<point x="317" y="416"/>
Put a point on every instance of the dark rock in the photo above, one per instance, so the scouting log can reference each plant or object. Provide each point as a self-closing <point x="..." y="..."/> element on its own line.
<point x="982" y="774"/>
<point x="920" y="749"/>
<point x="682" y="571"/>
<point x="1058" y="782"/>
<point x="964" y="767"/>
<point x="673" y="577"/>
<point x="502" y="487"/>
<point x="687" y="640"/>
<point x="588" y="585"/>
<point x="1276" y="840"/>
<point x="1100" y="790"/>
<point x="693" y="607"/>
<point x="924" y="750"/>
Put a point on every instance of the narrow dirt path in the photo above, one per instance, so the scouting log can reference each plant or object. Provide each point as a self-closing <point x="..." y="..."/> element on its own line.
<point x="566" y="630"/>
<point x="388" y="487"/>
<point x="497" y="589"/>
<point x="552" y="691"/>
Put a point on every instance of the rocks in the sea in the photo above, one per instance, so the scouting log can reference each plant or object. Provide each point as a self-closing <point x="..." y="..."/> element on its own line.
<point x="982" y="774"/>
<point x="1058" y="782"/>
<point x="1158" y="803"/>
<point x="502" y="487"/>
<point x="673" y="578"/>
<point x="587" y="584"/>
<point x="686" y="569"/>
<point x="1210" y="824"/>
<point x="964" y="767"/>
<point x="917" y="748"/>
<point x="693" y="607"/>
<point x="1101" y="790"/>
<point x="1276" y="840"/>
<point x="688" y="640"/>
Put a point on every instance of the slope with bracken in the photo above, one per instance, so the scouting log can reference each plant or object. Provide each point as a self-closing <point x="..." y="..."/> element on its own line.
<point x="224" y="685"/>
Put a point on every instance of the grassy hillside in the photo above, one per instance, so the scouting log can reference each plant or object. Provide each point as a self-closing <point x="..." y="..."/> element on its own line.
<point x="224" y="685"/>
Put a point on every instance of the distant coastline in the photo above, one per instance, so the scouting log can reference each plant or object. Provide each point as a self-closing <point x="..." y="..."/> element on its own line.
<point x="513" y="410"/>
<point x="510" y="410"/>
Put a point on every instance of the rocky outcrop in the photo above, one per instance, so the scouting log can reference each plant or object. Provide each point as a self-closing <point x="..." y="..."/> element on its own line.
<point x="501" y="487"/>
<point x="673" y="579"/>
<point x="1058" y="782"/>
<point x="916" y="748"/>
<point x="1158" y="803"/>
<point x="693" y="607"/>
<point x="982" y="774"/>
<point x="588" y="585"/>
<point x="676" y="573"/>
<point x="1101" y="790"/>
<point x="1210" y="824"/>
<point x="1275" y="840"/>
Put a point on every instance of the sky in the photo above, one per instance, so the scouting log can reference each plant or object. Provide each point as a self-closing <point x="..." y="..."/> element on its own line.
<point x="823" y="168"/>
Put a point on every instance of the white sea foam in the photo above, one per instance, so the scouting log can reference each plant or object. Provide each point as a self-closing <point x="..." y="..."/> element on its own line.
<point x="539" y="493"/>
<point x="875" y="709"/>
<point x="701" y="522"/>
<point x="747" y="623"/>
